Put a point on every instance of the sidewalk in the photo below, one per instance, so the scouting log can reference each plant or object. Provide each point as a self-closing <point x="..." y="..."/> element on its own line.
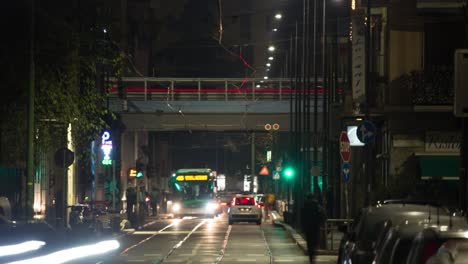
<point x="297" y="237"/>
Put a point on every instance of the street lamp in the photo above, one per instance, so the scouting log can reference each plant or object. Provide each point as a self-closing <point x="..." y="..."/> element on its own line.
<point x="275" y="29"/>
<point x="268" y="64"/>
<point x="278" y="16"/>
<point x="265" y="77"/>
<point x="270" y="58"/>
<point x="271" y="48"/>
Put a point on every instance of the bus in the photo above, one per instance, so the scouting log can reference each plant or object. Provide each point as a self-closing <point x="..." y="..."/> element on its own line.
<point x="194" y="193"/>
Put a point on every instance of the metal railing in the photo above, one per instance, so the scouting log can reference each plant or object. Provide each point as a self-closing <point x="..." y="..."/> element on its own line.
<point x="206" y="89"/>
<point x="331" y="233"/>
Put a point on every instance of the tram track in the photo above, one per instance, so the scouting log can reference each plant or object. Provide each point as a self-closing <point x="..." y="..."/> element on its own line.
<point x="125" y="251"/>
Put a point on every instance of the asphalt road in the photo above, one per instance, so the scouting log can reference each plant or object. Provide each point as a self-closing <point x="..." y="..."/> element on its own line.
<point x="197" y="240"/>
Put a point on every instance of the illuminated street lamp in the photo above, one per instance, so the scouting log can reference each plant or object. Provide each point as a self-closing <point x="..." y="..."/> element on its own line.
<point x="271" y="48"/>
<point x="270" y="58"/>
<point x="275" y="29"/>
<point x="265" y="77"/>
<point x="268" y="64"/>
<point x="278" y="16"/>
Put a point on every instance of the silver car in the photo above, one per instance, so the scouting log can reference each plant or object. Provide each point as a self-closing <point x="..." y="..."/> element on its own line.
<point x="244" y="208"/>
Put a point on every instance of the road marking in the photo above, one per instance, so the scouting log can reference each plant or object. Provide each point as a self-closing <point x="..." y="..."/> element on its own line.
<point x="223" y="248"/>
<point x="151" y="255"/>
<point x="267" y="247"/>
<point x="178" y="245"/>
<point x="125" y="251"/>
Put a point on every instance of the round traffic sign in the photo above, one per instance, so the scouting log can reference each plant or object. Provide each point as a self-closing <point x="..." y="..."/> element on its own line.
<point x="267" y="127"/>
<point x="366" y="132"/>
<point x="345" y="147"/>
<point x="276" y="126"/>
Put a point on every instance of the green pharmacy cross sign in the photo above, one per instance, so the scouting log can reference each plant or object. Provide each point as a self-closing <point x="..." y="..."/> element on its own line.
<point x="106" y="147"/>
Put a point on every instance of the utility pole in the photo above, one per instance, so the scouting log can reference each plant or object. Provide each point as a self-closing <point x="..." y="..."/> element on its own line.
<point x="32" y="79"/>
<point x="367" y="147"/>
<point x="315" y="145"/>
<point x="252" y="161"/>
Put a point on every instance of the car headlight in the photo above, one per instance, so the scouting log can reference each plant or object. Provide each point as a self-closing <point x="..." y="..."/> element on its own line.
<point x="210" y="207"/>
<point x="176" y="207"/>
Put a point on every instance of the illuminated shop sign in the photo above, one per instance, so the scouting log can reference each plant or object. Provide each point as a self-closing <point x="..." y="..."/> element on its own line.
<point x="106" y="146"/>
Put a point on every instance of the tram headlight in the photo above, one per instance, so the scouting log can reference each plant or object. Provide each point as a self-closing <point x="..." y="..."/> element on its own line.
<point x="210" y="207"/>
<point x="176" y="207"/>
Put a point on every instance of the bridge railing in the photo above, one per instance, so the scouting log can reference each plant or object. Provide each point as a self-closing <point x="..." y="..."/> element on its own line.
<point x="206" y="89"/>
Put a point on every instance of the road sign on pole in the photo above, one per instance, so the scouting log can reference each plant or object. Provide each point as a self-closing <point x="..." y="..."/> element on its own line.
<point x="276" y="175"/>
<point x="345" y="147"/>
<point x="264" y="171"/>
<point x="366" y="132"/>
<point x="346" y="172"/>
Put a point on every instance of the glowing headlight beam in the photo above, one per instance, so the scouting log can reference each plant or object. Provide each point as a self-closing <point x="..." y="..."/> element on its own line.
<point x="176" y="207"/>
<point x="74" y="253"/>
<point x="21" y="248"/>
<point x="210" y="207"/>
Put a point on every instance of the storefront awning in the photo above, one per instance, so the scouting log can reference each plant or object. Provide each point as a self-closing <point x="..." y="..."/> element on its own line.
<point x="439" y="166"/>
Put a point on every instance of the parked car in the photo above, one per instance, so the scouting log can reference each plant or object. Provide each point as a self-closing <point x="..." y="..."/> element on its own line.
<point x="244" y="208"/>
<point x="428" y="241"/>
<point x="396" y="243"/>
<point x="451" y="252"/>
<point x="358" y="243"/>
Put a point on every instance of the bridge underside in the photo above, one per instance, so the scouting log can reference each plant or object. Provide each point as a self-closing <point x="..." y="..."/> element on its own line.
<point x="207" y="121"/>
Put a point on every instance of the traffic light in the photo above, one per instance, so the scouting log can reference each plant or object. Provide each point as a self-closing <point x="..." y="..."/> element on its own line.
<point x="289" y="172"/>
<point x="139" y="174"/>
<point x="139" y="169"/>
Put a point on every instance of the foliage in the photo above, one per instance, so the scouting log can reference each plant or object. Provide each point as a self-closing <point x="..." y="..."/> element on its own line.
<point x="72" y="54"/>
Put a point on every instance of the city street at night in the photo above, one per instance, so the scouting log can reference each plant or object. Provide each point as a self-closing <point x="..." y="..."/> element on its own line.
<point x="203" y="240"/>
<point x="234" y="131"/>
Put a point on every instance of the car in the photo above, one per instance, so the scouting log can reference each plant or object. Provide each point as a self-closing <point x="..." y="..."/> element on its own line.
<point x="395" y="245"/>
<point x="224" y="200"/>
<point x="452" y="251"/>
<point x="261" y="199"/>
<point x="357" y="245"/>
<point x="244" y="208"/>
<point x="428" y="241"/>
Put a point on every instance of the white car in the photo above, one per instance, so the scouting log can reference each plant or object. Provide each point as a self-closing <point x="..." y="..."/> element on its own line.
<point x="244" y="208"/>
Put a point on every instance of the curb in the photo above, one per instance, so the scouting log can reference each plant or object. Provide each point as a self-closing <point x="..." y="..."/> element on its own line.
<point x="300" y="241"/>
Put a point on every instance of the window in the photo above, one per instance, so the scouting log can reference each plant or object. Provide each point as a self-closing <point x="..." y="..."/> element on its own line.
<point x="245" y="201"/>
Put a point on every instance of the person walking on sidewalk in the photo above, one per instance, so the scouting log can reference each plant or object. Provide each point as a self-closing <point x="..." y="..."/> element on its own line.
<point x="155" y="201"/>
<point x="313" y="217"/>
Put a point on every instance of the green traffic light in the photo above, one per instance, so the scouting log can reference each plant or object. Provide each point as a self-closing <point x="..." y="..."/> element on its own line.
<point x="289" y="173"/>
<point x="139" y="174"/>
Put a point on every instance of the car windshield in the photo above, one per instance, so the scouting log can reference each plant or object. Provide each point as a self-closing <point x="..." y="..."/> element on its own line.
<point x="245" y="201"/>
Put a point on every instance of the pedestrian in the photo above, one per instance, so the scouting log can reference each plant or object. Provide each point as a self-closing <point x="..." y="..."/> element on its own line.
<point x="155" y="201"/>
<point x="131" y="202"/>
<point x="313" y="217"/>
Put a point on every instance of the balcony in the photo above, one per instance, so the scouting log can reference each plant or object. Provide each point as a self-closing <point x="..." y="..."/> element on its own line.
<point x="432" y="87"/>
<point x="427" y="90"/>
